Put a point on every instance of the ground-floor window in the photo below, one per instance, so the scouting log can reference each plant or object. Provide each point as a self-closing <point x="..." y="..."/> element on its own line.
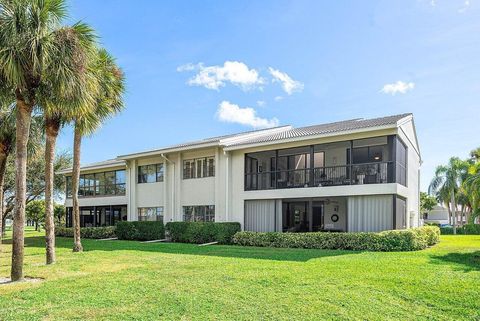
<point x="150" y="213"/>
<point x="199" y="213"/>
<point x="95" y="216"/>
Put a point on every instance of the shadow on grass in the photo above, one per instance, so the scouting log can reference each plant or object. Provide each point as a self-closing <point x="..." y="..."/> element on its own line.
<point x="469" y="261"/>
<point x="276" y="254"/>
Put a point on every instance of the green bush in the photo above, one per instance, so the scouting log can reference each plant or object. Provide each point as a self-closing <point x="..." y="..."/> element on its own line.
<point x="395" y="240"/>
<point x="202" y="232"/>
<point x="87" y="232"/>
<point x="141" y="231"/>
<point x="467" y="229"/>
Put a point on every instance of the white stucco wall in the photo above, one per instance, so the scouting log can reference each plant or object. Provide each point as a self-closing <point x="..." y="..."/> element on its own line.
<point x="407" y="133"/>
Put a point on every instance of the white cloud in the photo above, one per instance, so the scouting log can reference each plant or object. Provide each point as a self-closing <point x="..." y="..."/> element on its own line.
<point x="261" y="103"/>
<point x="288" y="84"/>
<point x="278" y="98"/>
<point x="232" y="113"/>
<point x="187" y="67"/>
<point x="463" y="9"/>
<point x="397" y="87"/>
<point x="214" y="77"/>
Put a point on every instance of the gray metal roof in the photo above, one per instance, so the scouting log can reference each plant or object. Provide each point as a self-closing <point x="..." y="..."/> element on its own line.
<point x="97" y="165"/>
<point x="322" y="129"/>
<point x="209" y="141"/>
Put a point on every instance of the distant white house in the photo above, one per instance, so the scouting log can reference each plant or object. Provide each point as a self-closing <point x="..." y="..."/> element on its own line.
<point x="439" y="214"/>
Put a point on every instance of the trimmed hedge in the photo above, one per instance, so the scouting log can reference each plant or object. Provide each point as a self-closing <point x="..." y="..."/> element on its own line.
<point x="467" y="229"/>
<point x="202" y="232"/>
<point x="387" y="241"/>
<point x="141" y="231"/>
<point x="87" y="232"/>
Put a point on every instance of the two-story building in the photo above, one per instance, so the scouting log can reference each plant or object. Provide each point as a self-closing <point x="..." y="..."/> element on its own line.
<point x="353" y="175"/>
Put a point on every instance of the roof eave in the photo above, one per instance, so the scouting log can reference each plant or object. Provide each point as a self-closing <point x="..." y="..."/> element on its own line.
<point x="159" y="152"/>
<point x="89" y="168"/>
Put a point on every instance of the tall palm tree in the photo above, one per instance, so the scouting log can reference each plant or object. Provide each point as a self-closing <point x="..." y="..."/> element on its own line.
<point x="472" y="187"/>
<point x="447" y="181"/>
<point x="7" y="140"/>
<point x="110" y="87"/>
<point x="28" y="51"/>
<point x="57" y="109"/>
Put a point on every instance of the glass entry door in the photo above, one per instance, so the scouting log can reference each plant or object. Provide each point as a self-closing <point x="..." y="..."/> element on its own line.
<point x="295" y="216"/>
<point x="317" y="217"/>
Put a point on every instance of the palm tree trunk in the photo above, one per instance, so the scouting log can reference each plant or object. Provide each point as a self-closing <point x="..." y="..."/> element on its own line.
<point x="450" y="218"/>
<point x="24" y="117"/>
<point x="3" y="168"/>
<point x="51" y="130"/>
<point x="77" y="142"/>
<point x="454" y="211"/>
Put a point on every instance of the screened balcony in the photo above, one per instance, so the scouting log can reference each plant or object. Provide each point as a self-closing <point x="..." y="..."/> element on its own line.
<point x="376" y="160"/>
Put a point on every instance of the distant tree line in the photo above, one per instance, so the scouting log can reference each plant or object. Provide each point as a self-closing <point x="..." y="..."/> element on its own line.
<point x="456" y="185"/>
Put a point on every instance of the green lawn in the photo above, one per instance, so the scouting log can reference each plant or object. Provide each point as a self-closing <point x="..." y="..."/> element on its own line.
<point x="121" y="280"/>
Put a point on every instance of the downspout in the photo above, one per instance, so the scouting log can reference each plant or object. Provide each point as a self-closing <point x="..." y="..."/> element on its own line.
<point x="173" y="187"/>
<point x="227" y="188"/>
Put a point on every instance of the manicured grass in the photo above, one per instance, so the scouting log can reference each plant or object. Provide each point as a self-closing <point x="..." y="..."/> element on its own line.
<point x="126" y="280"/>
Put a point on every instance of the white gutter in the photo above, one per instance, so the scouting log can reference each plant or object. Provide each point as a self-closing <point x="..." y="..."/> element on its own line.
<point x="173" y="186"/>
<point x="167" y="150"/>
<point x="227" y="189"/>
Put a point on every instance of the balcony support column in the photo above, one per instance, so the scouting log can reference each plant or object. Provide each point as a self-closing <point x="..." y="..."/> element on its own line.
<point x="351" y="161"/>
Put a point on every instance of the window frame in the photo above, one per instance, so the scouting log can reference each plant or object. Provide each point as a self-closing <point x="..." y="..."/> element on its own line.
<point x="199" y="213"/>
<point x="159" y="214"/>
<point x="90" y="185"/>
<point x="157" y="173"/>
<point x="200" y="167"/>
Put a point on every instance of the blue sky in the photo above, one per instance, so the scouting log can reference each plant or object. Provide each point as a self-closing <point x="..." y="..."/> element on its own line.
<point x="194" y="67"/>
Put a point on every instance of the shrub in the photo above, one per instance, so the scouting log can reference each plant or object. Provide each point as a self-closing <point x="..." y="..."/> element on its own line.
<point x="141" y="231"/>
<point x="395" y="240"/>
<point x="467" y="229"/>
<point x="202" y="232"/>
<point x="472" y="229"/>
<point x="87" y="232"/>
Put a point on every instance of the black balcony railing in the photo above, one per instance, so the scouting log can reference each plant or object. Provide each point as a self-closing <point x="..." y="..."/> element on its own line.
<point x="354" y="174"/>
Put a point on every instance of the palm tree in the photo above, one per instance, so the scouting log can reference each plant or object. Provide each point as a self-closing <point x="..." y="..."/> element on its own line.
<point x="109" y="81"/>
<point x="475" y="154"/>
<point x="447" y="181"/>
<point x="58" y="109"/>
<point x="28" y="53"/>
<point x="7" y="140"/>
<point x="472" y="187"/>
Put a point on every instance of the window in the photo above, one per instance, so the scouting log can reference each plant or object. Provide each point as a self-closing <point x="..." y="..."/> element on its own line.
<point x="370" y="154"/>
<point x="150" y="173"/>
<point x="98" y="184"/>
<point x="199" y="167"/>
<point x="401" y="162"/>
<point x="68" y="186"/>
<point x="150" y="213"/>
<point x="202" y="213"/>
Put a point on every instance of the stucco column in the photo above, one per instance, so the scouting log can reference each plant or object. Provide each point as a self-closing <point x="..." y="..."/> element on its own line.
<point x="132" y="190"/>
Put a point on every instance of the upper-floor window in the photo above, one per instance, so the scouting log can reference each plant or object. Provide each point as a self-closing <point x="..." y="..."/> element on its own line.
<point x="401" y="162"/>
<point x="199" y="167"/>
<point x="150" y="173"/>
<point x="99" y="184"/>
